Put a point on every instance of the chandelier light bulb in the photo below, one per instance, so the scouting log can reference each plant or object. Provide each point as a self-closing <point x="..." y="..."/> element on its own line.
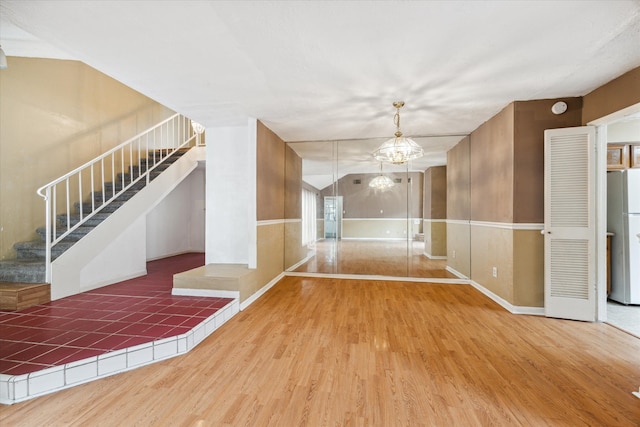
<point x="400" y="149"/>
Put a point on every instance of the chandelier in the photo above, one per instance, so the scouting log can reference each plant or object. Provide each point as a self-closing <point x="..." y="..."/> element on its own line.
<point x="400" y="149"/>
<point x="381" y="182"/>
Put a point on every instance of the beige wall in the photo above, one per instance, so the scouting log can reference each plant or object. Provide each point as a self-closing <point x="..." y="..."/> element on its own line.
<point x="506" y="188"/>
<point x="270" y="256"/>
<point x="270" y="175"/>
<point x="294" y="251"/>
<point x="435" y="208"/>
<point x="362" y="201"/>
<point x="54" y="116"/>
<point x="435" y="238"/>
<point x="270" y="204"/>
<point x="278" y="198"/>
<point x="387" y="228"/>
<point x="459" y="208"/>
<point x="459" y="247"/>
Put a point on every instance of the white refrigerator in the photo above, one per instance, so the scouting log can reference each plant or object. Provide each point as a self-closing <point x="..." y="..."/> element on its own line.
<point x="623" y="220"/>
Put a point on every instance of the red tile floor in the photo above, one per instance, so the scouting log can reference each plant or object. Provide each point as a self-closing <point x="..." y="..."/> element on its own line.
<point x="113" y="317"/>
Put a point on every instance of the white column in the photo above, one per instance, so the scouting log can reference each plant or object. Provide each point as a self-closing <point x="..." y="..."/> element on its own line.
<point x="231" y="195"/>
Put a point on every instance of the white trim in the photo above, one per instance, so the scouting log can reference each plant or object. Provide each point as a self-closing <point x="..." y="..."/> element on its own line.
<point x="428" y="255"/>
<point x="508" y="225"/>
<point x="246" y="303"/>
<point x="397" y="239"/>
<point x="513" y="309"/>
<point x="615" y="116"/>
<point x="383" y="278"/>
<point x="458" y="221"/>
<point x="456" y="272"/>
<point x="278" y="221"/>
<point x="213" y="293"/>
<point x="601" y="124"/>
<point x="270" y="222"/>
<point x="19" y="388"/>
<point x="434" y="220"/>
<point x="302" y="261"/>
<point x="600" y="178"/>
<point x="380" y="219"/>
<point x="252" y="190"/>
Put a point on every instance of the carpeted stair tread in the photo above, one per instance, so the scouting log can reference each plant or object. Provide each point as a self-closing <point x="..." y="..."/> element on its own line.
<point x="36" y="249"/>
<point x="22" y="271"/>
<point x="75" y="235"/>
<point x="29" y="266"/>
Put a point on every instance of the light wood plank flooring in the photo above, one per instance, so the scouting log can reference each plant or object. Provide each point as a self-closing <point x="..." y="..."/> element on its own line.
<point x="371" y="257"/>
<point x="330" y="352"/>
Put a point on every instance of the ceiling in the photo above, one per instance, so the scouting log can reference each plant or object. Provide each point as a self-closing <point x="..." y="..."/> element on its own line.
<point x="330" y="71"/>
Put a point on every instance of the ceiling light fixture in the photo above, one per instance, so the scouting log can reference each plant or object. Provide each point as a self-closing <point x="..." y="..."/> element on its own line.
<point x="381" y="182"/>
<point x="400" y="149"/>
<point x="3" y="60"/>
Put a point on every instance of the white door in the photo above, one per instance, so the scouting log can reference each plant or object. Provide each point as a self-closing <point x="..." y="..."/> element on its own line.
<point x="569" y="223"/>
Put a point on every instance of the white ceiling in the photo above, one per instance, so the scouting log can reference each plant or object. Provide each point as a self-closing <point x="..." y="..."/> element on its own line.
<point x="330" y="71"/>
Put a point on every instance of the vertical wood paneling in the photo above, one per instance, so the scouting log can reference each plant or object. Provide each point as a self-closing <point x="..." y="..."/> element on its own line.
<point x="293" y="185"/>
<point x="270" y="175"/>
<point x="619" y="93"/>
<point x="531" y="118"/>
<point x="492" y="169"/>
<point x="458" y="197"/>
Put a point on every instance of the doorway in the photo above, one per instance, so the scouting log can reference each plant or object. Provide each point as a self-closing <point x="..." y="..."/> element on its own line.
<point x="622" y="127"/>
<point x="333" y="217"/>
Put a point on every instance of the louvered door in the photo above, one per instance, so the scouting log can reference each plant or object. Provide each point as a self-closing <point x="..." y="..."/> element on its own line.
<point x="570" y="258"/>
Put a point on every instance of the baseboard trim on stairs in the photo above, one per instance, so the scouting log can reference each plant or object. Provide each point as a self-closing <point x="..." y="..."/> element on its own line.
<point x="212" y="293"/>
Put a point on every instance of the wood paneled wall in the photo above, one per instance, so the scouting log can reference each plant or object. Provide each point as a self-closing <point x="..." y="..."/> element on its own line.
<point x="458" y="168"/>
<point x="293" y="184"/>
<point x="492" y="168"/>
<point x="530" y="120"/>
<point x="619" y="93"/>
<point x="270" y="175"/>
<point x="435" y="193"/>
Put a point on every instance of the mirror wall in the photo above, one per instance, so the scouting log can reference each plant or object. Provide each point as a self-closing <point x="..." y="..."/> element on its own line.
<point x="350" y="227"/>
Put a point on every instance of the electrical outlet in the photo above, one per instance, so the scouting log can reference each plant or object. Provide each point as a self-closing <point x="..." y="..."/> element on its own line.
<point x="495" y="272"/>
<point x="454" y="254"/>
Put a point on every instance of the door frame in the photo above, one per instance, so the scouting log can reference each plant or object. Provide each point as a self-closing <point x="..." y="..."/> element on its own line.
<point x="601" y="204"/>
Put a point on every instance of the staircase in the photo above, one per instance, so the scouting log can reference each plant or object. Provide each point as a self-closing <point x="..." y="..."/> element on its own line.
<point x="30" y="264"/>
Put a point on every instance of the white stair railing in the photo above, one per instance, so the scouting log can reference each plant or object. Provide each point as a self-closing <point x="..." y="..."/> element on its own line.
<point x="122" y="166"/>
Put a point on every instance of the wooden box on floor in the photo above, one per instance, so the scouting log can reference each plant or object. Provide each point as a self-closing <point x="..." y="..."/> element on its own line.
<point x="18" y="296"/>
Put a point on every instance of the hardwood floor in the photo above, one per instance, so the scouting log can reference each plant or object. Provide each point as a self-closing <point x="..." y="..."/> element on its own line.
<point x="327" y="352"/>
<point x="371" y="257"/>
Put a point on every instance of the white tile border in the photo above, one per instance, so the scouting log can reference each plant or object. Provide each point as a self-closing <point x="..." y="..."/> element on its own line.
<point x="18" y="388"/>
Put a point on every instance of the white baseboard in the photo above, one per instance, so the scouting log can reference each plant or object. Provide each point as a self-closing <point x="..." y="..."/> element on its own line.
<point x="450" y="281"/>
<point x="214" y="293"/>
<point x="456" y="272"/>
<point x="302" y="261"/>
<point x="428" y="255"/>
<point x="513" y="309"/>
<point x="246" y="303"/>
